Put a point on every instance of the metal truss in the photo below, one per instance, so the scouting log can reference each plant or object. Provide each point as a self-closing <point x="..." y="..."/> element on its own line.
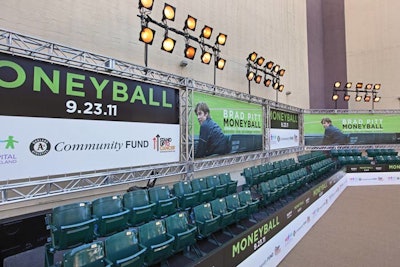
<point x="29" y="47"/>
<point x="15" y="192"/>
<point x="361" y="147"/>
<point x="228" y="160"/>
<point x="347" y="111"/>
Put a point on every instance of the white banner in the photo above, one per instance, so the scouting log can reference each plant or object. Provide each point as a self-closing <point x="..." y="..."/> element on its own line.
<point x="373" y="178"/>
<point x="34" y="147"/>
<point x="283" y="138"/>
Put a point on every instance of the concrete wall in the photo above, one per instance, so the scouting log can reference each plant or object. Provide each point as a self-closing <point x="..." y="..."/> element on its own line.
<point x="274" y="29"/>
<point x="373" y="48"/>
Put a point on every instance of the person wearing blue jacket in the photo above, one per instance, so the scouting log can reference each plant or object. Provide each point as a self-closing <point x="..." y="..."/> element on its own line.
<point x="332" y="135"/>
<point x="212" y="140"/>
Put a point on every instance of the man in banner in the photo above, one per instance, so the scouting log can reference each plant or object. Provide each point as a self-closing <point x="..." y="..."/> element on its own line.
<point x="211" y="140"/>
<point x="332" y="136"/>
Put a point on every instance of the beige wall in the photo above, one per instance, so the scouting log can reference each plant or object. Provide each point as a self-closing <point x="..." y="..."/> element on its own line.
<point x="373" y="48"/>
<point x="275" y="29"/>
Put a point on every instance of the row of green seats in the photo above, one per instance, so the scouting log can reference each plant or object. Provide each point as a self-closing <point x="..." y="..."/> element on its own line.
<point x="203" y="189"/>
<point x="218" y="214"/>
<point x="146" y="245"/>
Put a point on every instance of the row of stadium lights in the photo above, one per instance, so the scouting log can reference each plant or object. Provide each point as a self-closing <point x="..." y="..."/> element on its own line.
<point x="208" y="51"/>
<point x="370" y="90"/>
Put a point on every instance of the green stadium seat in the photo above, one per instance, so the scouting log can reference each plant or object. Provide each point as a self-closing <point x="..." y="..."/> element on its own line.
<point x="225" y="178"/>
<point x="220" y="190"/>
<point x="233" y="203"/>
<point x="141" y="210"/>
<point x="71" y="225"/>
<point x="187" y="198"/>
<point x="153" y="235"/>
<point x="207" y="223"/>
<point x="245" y="198"/>
<point x="184" y="232"/>
<point x="227" y="216"/>
<point x="124" y="250"/>
<point x="111" y="215"/>
<point x="166" y="204"/>
<point x="206" y="193"/>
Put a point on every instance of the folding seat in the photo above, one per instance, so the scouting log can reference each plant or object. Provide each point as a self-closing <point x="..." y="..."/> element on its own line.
<point x="267" y="194"/>
<point x="245" y="198"/>
<point x="264" y="173"/>
<point x="124" y="250"/>
<point x="184" y="232"/>
<point x="284" y="183"/>
<point x="153" y="235"/>
<point x="356" y="152"/>
<point x="250" y="177"/>
<point x="334" y="153"/>
<point x="220" y="190"/>
<point x="372" y="152"/>
<point x="206" y="193"/>
<point x="166" y="204"/>
<point x="290" y="185"/>
<point x="141" y="210"/>
<point x="233" y="203"/>
<point x="111" y="215"/>
<point x="90" y="255"/>
<point x="71" y="225"/>
<point x="350" y="160"/>
<point x="272" y="171"/>
<point x="207" y="223"/>
<point x="225" y="178"/>
<point x="187" y="198"/>
<point x="219" y="208"/>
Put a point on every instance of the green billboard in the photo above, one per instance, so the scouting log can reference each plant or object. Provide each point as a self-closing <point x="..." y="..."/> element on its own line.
<point x="240" y="123"/>
<point x="359" y="128"/>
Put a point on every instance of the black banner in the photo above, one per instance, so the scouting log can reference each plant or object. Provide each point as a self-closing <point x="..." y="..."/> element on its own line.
<point x="373" y="168"/>
<point x="284" y="120"/>
<point x="39" y="89"/>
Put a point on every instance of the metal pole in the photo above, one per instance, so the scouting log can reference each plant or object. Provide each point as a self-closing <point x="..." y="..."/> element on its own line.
<point x="145" y="54"/>
<point x="215" y="72"/>
<point x="276" y="95"/>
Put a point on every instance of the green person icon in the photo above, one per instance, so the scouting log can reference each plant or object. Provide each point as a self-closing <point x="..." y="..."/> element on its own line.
<point x="10" y="142"/>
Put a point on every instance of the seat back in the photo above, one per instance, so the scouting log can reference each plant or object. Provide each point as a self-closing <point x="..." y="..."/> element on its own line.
<point x="225" y="178"/>
<point x="165" y="203"/>
<point x="141" y="210"/>
<point x="71" y="214"/>
<point x="233" y="203"/>
<point x="206" y="222"/>
<point x="187" y="198"/>
<point x="90" y="255"/>
<point x="71" y="225"/>
<point x="124" y="249"/>
<point x="181" y="188"/>
<point x="246" y="198"/>
<point x="107" y="205"/>
<point x="184" y="233"/>
<point x="153" y="235"/>
<point x="220" y="190"/>
<point x="206" y="193"/>
<point x="136" y="198"/>
<point x="203" y="212"/>
<point x="111" y="215"/>
<point x="219" y="208"/>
